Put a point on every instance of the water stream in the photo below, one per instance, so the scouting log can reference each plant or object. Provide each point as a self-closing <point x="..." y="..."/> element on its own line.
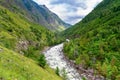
<point x="55" y="58"/>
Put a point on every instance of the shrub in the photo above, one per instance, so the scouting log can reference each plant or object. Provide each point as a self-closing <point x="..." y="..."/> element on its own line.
<point x="57" y="71"/>
<point x="42" y="61"/>
<point x="64" y="74"/>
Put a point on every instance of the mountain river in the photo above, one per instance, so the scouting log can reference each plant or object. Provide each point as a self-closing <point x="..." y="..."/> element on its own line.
<point x="55" y="58"/>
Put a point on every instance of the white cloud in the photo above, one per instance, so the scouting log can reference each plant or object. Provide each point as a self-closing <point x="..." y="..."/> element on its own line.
<point x="68" y="11"/>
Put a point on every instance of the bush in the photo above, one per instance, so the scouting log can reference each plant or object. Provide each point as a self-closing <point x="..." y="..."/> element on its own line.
<point x="42" y="61"/>
<point x="57" y="71"/>
<point x="64" y="74"/>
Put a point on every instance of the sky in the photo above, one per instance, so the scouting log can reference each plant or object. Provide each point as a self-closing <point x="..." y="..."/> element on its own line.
<point x="70" y="11"/>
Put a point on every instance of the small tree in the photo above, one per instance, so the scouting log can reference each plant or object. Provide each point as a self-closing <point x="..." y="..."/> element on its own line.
<point x="57" y="71"/>
<point x="42" y="61"/>
<point x="83" y="78"/>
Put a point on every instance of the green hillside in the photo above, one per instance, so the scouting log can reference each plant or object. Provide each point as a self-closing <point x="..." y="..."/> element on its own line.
<point x="19" y="34"/>
<point x="20" y="37"/>
<point x="39" y="14"/>
<point x="14" y="66"/>
<point x="95" y="41"/>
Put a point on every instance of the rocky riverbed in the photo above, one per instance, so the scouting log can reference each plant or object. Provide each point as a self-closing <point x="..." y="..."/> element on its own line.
<point x="55" y="58"/>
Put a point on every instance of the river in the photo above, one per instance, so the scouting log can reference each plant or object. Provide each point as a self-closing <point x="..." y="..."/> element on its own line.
<point x="55" y="58"/>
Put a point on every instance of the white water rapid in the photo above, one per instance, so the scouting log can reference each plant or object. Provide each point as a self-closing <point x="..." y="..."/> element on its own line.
<point x="55" y="58"/>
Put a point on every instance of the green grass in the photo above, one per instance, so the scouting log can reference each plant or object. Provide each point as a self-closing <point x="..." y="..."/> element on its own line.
<point x="14" y="66"/>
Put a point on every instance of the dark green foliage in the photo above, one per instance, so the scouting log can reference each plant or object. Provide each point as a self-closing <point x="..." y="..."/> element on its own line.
<point x="83" y="78"/>
<point x="97" y="40"/>
<point x="57" y="71"/>
<point x="42" y="61"/>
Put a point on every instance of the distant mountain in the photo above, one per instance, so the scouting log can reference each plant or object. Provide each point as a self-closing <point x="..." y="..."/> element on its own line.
<point x="36" y="13"/>
<point x="95" y="41"/>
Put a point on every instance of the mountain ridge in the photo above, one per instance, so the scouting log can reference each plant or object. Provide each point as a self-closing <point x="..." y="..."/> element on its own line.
<point x="36" y="13"/>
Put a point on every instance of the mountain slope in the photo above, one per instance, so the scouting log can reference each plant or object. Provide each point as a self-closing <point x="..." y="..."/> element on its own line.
<point x="21" y="38"/>
<point x="105" y="12"/>
<point x="14" y="66"/>
<point x="36" y="13"/>
<point x="97" y="40"/>
<point x="19" y="34"/>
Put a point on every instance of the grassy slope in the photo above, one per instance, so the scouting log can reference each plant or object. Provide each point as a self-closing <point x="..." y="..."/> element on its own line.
<point x="97" y="40"/>
<point x="17" y="67"/>
<point x="15" y="29"/>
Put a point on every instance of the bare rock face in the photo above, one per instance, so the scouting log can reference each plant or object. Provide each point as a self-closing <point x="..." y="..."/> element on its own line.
<point x="22" y="45"/>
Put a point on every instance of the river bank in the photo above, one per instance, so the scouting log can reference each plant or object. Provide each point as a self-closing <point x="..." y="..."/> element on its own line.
<point x="55" y="59"/>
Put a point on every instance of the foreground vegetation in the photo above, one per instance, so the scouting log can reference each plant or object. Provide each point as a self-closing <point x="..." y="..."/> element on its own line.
<point x="97" y="40"/>
<point x="14" y="66"/>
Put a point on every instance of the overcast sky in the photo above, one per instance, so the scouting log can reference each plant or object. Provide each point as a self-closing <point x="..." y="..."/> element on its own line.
<point x="70" y="11"/>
